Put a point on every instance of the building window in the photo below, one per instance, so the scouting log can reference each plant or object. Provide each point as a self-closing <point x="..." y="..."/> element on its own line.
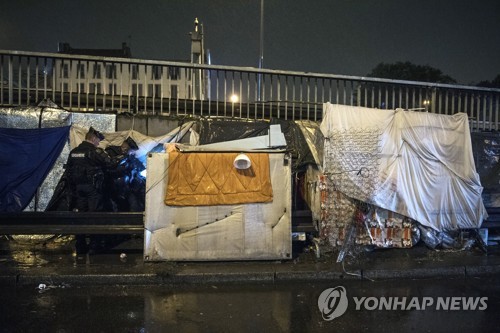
<point x="173" y="91"/>
<point x="112" y="88"/>
<point x="136" y="89"/>
<point x="95" y="88"/>
<point x="82" y="87"/>
<point x="111" y="71"/>
<point x="156" y="73"/>
<point x="97" y="71"/>
<point x="80" y="70"/>
<point x="64" y="87"/>
<point x="64" y="71"/>
<point x="135" y="72"/>
<point x="174" y="73"/>
<point x="154" y="90"/>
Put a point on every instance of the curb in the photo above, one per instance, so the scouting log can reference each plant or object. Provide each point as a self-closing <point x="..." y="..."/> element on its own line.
<point x="244" y="275"/>
<point x="482" y="270"/>
<point x="415" y="273"/>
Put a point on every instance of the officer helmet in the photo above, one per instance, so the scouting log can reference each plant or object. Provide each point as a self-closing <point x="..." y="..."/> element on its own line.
<point x="131" y="143"/>
<point x="93" y="131"/>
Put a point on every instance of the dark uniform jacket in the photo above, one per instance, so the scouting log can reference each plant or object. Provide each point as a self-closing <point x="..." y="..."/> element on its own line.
<point x="86" y="164"/>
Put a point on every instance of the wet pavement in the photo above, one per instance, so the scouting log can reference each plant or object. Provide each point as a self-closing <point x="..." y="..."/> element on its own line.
<point x="258" y="307"/>
<point x="52" y="261"/>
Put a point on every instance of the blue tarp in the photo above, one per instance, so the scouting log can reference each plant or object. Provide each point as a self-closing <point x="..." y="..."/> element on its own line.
<point x="26" y="157"/>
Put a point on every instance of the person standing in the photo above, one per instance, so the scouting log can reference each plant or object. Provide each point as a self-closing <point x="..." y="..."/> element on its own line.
<point x="125" y="182"/>
<point x="86" y="168"/>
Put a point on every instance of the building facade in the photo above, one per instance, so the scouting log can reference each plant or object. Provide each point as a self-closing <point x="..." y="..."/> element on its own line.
<point x="103" y="76"/>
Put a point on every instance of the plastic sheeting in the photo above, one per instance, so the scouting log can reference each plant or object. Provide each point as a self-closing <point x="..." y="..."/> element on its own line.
<point x="313" y="138"/>
<point x="221" y="232"/>
<point x="213" y="131"/>
<point x="47" y="115"/>
<point x="310" y="189"/>
<point x="486" y="148"/>
<point x="416" y="164"/>
<point x="296" y="143"/>
<point x="350" y="223"/>
<point x="202" y="179"/>
<point x="26" y="157"/>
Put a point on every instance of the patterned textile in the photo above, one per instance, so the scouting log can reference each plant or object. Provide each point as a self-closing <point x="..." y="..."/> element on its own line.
<point x="202" y="179"/>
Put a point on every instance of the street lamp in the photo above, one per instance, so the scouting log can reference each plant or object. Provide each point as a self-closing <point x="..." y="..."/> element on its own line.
<point x="234" y="98"/>
<point x="426" y="104"/>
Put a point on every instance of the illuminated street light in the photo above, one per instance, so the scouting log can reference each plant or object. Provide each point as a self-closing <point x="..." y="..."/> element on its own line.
<point x="426" y="104"/>
<point x="234" y="98"/>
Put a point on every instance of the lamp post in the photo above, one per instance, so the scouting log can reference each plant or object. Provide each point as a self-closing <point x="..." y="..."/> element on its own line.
<point x="261" y="50"/>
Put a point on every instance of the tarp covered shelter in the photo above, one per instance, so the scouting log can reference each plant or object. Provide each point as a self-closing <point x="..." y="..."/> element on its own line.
<point x="199" y="206"/>
<point x="416" y="164"/>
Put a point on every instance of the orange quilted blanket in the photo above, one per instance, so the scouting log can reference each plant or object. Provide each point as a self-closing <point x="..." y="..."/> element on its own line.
<point x="202" y="179"/>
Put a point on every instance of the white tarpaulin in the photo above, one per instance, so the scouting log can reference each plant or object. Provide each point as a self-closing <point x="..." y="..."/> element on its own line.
<point x="256" y="231"/>
<point x="413" y="163"/>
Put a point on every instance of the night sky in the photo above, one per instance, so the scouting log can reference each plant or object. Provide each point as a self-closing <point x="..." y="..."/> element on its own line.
<point x="349" y="37"/>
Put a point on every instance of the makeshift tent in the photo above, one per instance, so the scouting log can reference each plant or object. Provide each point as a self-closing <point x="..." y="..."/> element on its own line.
<point x="234" y="213"/>
<point x="416" y="164"/>
<point x="251" y="231"/>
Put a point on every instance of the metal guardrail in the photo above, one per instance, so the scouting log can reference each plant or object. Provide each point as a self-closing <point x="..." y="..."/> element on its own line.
<point x="88" y="83"/>
<point x="73" y="223"/>
<point x="70" y="223"/>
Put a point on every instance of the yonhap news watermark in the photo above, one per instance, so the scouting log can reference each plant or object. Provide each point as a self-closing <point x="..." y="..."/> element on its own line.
<point x="334" y="302"/>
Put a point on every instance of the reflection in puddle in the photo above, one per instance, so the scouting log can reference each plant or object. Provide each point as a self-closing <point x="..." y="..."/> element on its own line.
<point x="30" y="250"/>
<point x="27" y="258"/>
<point x="238" y="308"/>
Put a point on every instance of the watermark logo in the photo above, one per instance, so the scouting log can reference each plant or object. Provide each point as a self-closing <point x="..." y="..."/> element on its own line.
<point x="333" y="302"/>
<point x="421" y="303"/>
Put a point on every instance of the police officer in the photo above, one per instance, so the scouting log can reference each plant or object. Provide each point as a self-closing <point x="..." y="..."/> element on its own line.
<point x="128" y="146"/>
<point x="124" y="194"/>
<point x="86" y="166"/>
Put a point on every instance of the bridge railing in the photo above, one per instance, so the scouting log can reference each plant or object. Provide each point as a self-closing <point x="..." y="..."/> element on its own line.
<point x="89" y="84"/>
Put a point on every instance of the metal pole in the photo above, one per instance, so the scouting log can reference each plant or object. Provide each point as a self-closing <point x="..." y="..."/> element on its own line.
<point x="261" y="47"/>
